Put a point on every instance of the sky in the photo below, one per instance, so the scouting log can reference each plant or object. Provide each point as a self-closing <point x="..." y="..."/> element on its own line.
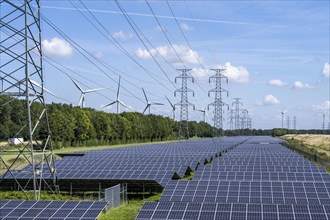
<point x="276" y="56"/>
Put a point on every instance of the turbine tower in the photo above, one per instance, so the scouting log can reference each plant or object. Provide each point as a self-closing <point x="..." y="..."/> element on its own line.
<point x="282" y="113"/>
<point x="83" y="93"/>
<point x="22" y="78"/>
<point x="149" y="104"/>
<point x="204" y="111"/>
<point x="184" y="103"/>
<point x="173" y="108"/>
<point x="118" y="101"/>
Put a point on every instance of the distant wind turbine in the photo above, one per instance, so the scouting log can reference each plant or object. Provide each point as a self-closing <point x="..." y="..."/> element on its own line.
<point x="83" y="93"/>
<point x="149" y="104"/>
<point x="173" y="108"/>
<point x="282" y="113"/>
<point x="204" y="111"/>
<point x="118" y="101"/>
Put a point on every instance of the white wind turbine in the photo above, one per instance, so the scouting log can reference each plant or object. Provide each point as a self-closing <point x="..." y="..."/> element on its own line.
<point x="118" y="101"/>
<point x="204" y="111"/>
<point x="173" y="107"/>
<point x="282" y="113"/>
<point x="149" y="104"/>
<point x="83" y="93"/>
<point x="46" y="90"/>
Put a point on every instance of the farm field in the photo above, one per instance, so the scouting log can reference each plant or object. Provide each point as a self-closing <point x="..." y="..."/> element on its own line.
<point x="318" y="143"/>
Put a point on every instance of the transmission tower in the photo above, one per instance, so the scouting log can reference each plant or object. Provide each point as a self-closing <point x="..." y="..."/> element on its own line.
<point x="218" y="103"/>
<point x="237" y="103"/>
<point x="20" y="71"/>
<point x="323" y="123"/>
<point x="231" y="119"/>
<point x="184" y="103"/>
<point x="288" y="122"/>
<point x="244" y="119"/>
<point x="294" y="122"/>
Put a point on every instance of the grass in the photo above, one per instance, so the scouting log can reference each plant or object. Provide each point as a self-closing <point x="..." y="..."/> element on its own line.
<point x="129" y="211"/>
<point x="13" y="195"/>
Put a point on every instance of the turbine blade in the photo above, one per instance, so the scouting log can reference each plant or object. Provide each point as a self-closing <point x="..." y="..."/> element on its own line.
<point x="81" y="99"/>
<point x="145" y="109"/>
<point x="170" y="102"/>
<point x="76" y="84"/>
<point x="93" y="90"/>
<point x="145" y="95"/>
<point x="118" y="88"/>
<point x="156" y="103"/>
<point x="109" y="104"/>
<point x="123" y="104"/>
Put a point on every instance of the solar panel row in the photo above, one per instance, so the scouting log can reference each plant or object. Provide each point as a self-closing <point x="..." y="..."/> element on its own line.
<point x="224" y="211"/>
<point x="259" y="179"/>
<point x="55" y="210"/>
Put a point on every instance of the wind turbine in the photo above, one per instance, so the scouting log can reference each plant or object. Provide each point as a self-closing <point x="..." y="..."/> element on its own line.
<point x="204" y="111"/>
<point x="118" y="101"/>
<point x="173" y="107"/>
<point x="83" y="93"/>
<point x="282" y="113"/>
<point x="149" y="104"/>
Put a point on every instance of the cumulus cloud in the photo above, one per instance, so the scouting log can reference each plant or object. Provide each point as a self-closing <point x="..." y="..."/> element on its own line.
<point x="300" y="85"/>
<point x="98" y="55"/>
<point x="276" y="82"/>
<point x="184" y="26"/>
<point x="122" y="36"/>
<point x="270" y="100"/>
<point x="200" y="73"/>
<point x="57" y="47"/>
<point x="325" y="106"/>
<point x="326" y="70"/>
<point x="185" y="53"/>
<point x="237" y="74"/>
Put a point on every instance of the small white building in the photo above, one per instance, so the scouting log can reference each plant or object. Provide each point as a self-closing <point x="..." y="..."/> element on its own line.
<point x="15" y="141"/>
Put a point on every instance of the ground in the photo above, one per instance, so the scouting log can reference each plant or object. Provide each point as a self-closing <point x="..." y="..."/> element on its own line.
<point x="321" y="143"/>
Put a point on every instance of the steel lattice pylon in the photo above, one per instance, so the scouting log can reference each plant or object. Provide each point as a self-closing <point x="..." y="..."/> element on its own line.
<point x="237" y="121"/>
<point x="184" y="103"/>
<point x="22" y="83"/>
<point x="218" y="103"/>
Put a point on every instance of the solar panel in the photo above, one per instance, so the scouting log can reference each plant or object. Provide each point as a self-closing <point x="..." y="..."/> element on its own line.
<point x="19" y="209"/>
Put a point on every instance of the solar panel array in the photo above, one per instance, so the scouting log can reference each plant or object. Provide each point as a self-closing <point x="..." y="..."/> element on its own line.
<point x="156" y="162"/>
<point x="259" y="179"/>
<point x="50" y="210"/>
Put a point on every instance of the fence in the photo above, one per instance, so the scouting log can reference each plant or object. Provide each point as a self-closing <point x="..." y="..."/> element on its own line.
<point x="115" y="196"/>
<point x="310" y="156"/>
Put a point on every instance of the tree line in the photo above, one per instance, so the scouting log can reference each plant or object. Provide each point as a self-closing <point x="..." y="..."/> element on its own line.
<point x="75" y="126"/>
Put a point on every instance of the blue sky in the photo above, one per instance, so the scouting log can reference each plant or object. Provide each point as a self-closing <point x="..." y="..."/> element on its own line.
<point x="276" y="54"/>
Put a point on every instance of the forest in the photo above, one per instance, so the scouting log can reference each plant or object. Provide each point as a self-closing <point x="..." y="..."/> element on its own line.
<point x="75" y="126"/>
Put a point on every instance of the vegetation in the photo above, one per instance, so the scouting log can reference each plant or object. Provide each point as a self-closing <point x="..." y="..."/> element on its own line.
<point x="18" y="195"/>
<point x="307" y="144"/>
<point x="128" y="211"/>
<point x="75" y="126"/>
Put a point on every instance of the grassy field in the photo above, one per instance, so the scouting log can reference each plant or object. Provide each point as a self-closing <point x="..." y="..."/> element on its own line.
<point x="129" y="211"/>
<point x="314" y="144"/>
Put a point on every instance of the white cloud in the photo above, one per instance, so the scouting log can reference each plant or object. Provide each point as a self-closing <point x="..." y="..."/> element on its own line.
<point x="159" y="28"/>
<point x="276" y="82"/>
<point x="98" y="55"/>
<point x="236" y="74"/>
<point x="122" y="36"/>
<point x="270" y="100"/>
<point x="300" y="85"/>
<point x="185" y="53"/>
<point x="184" y="26"/>
<point x="326" y="70"/>
<point x="325" y="106"/>
<point x="57" y="47"/>
<point x="200" y="73"/>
